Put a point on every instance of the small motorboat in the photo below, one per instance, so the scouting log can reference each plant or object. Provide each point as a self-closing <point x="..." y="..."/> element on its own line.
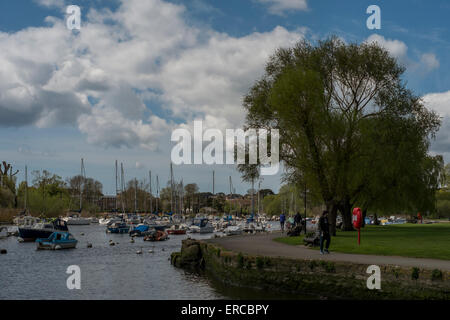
<point x="3" y="232"/>
<point x="118" y="227"/>
<point x="57" y="240"/>
<point x="141" y="230"/>
<point x="177" y="229"/>
<point x="233" y="230"/>
<point x="77" y="220"/>
<point x="157" y="236"/>
<point x="203" y="224"/>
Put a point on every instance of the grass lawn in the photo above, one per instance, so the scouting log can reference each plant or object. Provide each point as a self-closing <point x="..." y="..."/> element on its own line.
<point x="408" y="240"/>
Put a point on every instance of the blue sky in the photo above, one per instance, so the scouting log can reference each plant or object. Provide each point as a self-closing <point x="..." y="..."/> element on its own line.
<point x="137" y="70"/>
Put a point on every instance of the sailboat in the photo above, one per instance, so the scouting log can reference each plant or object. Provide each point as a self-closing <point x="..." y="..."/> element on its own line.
<point x="75" y="218"/>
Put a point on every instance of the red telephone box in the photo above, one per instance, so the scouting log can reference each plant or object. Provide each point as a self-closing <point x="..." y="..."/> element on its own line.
<point x="357" y="221"/>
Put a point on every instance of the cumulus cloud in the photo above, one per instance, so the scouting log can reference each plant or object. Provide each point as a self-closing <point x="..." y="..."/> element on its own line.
<point x="396" y="48"/>
<point x="440" y="102"/>
<point x="429" y="61"/>
<point x="51" y="3"/>
<point x="425" y="63"/>
<point x="279" y="7"/>
<point x="108" y="79"/>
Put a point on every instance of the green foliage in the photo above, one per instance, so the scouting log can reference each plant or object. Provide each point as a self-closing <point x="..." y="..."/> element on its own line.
<point x="6" y="198"/>
<point x="349" y="128"/>
<point x="443" y="208"/>
<point x="436" y="275"/>
<point x="330" y="267"/>
<point x="259" y="262"/>
<point x="407" y="240"/>
<point x="240" y="259"/>
<point x="312" y="264"/>
<point x="415" y="273"/>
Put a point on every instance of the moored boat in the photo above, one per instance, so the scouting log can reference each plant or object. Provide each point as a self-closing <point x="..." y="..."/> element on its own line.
<point x="3" y="232"/>
<point x="41" y="230"/>
<point x="56" y="241"/>
<point x="76" y="220"/>
<point x="118" y="227"/>
<point x="157" y="236"/>
<point x="177" y="229"/>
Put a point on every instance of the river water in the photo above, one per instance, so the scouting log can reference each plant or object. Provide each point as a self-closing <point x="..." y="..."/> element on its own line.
<point x="107" y="272"/>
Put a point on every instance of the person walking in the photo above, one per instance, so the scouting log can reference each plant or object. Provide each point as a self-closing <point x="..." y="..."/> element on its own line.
<point x="324" y="228"/>
<point x="282" y="220"/>
<point x="298" y="219"/>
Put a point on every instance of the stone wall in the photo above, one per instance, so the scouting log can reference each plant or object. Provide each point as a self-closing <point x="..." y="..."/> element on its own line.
<point x="314" y="277"/>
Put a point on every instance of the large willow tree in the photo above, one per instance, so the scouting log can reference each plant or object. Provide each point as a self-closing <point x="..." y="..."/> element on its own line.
<point x="349" y="128"/>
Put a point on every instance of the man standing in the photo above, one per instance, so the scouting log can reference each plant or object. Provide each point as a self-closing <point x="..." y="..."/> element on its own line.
<point x="298" y="219"/>
<point x="324" y="228"/>
<point x="282" y="220"/>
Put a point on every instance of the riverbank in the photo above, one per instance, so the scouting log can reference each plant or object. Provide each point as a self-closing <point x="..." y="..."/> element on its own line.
<point x="429" y="241"/>
<point x="259" y="262"/>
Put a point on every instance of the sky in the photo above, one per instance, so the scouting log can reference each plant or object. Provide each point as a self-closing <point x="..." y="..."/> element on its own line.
<point x="137" y="70"/>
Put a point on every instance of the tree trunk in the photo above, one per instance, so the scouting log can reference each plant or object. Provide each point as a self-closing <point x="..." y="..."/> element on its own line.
<point x="364" y="214"/>
<point x="332" y="209"/>
<point x="346" y="211"/>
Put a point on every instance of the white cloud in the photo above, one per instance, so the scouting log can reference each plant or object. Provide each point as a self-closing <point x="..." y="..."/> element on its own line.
<point x="429" y="61"/>
<point x="279" y="7"/>
<point x="51" y="3"/>
<point x="398" y="49"/>
<point x="440" y="102"/>
<point x="144" y="51"/>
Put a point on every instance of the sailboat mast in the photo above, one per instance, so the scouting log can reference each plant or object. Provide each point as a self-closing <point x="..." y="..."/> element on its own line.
<point x="213" y="189"/>
<point x="151" y="195"/>
<point x="81" y="183"/>
<point x="135" y="195"/>
<point x="157" y="193"/>
<point x="231" y="196"/>
<point x="171" y="187"/>
<point x="116" y="186"/>
<point x="26" y="188"/>
<point x="122" y="187"/>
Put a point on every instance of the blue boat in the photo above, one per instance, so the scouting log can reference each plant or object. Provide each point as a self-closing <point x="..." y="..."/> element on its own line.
<point x="142" y="230"/>
<point x="56" y="241"/>
<point x="118" y="227"/>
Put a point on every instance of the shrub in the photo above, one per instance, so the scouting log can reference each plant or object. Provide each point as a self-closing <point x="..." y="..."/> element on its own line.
<point x="259" y="262"/>
<point x="415" y="273"/>
<point x="395" y="272"/>
<point x="312" y="264"/>
<point x="436" y="275"/>
<point x="240" y="259"/>
<point x="330" y="267"/>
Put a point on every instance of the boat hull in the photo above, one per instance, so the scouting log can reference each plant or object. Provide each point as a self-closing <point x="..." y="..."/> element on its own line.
<point x="30" y="234"/>
<point x="176" y="232"/>
<point x="118" y="230"/>
<point x="55" y="246"/>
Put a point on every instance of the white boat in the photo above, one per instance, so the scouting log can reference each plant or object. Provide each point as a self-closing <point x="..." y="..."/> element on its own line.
<point x="233" y="230"/>
<point x="193" y="229"/>
<point x="3" y="232"/>
<point x="77" y="221"/>
<point x="104" y="221"/>
<point x="25" y="221"/>
<point x="94" y="220"/>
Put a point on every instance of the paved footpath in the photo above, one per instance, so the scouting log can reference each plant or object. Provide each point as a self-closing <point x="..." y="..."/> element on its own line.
<point x="263" y="244"/>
